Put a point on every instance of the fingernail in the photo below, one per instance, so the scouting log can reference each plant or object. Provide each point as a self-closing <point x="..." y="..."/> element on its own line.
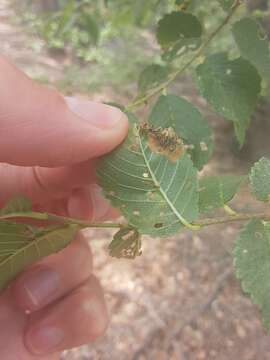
<point x="41" y="285"/>
<point x="100" y="206"/>
<point x="97" y="114"/>
<point x="44" y="339"/>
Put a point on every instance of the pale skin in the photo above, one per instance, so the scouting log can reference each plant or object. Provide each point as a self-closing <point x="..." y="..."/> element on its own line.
<point x="48" y="149"/>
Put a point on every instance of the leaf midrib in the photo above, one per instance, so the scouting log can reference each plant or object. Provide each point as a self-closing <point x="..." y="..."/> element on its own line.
<point x="162" y="192"/>
<point x="23" y="249"/>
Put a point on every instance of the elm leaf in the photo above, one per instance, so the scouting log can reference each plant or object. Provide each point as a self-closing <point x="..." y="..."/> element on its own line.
<point x="217" y="191"/>
<point x="252" y="265"/>
<point x="178" y="33"/>
<point x="253" y="45"/>
<point x="157" y="196"/>
<point x="232" y="88"/>
<point x="20" y="247"/>
<point x="151" y="77"/>
<point x="260" y="179"/>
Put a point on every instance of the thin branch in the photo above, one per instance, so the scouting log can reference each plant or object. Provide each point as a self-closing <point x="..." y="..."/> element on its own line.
<point x="198" y="53"/>
<point x="233" y="218"/>
<point x="108" y="225"/>
<point x="32" y="215"/>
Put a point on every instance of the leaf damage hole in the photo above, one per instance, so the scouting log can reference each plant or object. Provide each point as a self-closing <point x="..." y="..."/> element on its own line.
<point x="262" y="35"/>
<point x="203" y="146"/>
<point x="150" y="195"/>
<point x="158" y="225"/>
<point x="258" y="235"/>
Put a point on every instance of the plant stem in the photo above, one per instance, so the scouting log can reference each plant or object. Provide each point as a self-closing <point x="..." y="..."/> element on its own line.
<point x="86" y="224"/>
<point x="233" y="218"/>
<point x="62" y="219"/>
<point x="197" y="54"/>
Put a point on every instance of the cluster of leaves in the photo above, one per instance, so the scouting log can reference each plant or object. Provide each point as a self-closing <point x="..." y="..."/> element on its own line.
<point x="81" y="25"/>
<point x="87" y="28"/>
<point x="153" y="177"/>
<point x="73" y="25"/>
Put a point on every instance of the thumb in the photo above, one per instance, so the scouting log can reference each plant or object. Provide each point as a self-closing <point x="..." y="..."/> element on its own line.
<point x="38" y="126"/>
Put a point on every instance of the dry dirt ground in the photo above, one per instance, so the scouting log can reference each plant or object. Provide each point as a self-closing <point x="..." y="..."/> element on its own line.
<point x="179" y="301"/>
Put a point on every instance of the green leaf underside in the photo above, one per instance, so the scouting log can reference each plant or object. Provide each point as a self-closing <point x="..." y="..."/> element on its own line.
<point x="253" y="45"/>
<point x="217" y="191"/>
<point x="226" y="4"/>
<point x="188" y="123"/>
<point x="260" y="179"/>
<point x="177" y="33"/>
<point x="20" y="247"/>
<point x="16" y="204"/>
<point x="232" y="88"/>
<point x="151" y="77"/>
<point x="252" y="265"/>
<point x="154" y="194"/>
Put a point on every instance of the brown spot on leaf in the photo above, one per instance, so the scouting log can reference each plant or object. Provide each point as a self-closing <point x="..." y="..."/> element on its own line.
<point x="163" y="141"/>
<point x="150" y="194"/>
<point x="134" y="146"/>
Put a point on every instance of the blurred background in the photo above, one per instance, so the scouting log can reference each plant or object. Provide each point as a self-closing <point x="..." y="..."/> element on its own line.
<point x="179" y="300"/>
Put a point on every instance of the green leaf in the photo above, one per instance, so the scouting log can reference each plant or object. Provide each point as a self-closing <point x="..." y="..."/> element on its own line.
<point x="151" y="77"/>
<point x="189" y="124"/>
<point x="156" y="195"/>
<point x="260" y="179"/>
<point x="253" y="45"/>
<point x="65" y="18"/>
<point x="20" y="247"/>
<point x="252" y="265"/>
<point x="177" y="33"/>
<point x="217" y="191"/>
<point x="177" y="26"/>
<point x="232" y="88"/>
<point x="17" y="204"/>
<point x="126" y="244"/>
<point x="226" y="4"/>
<point x="88" y="23"/>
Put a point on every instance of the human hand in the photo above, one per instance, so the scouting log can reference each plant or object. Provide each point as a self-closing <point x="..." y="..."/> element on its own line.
<point x="48" y="149"/>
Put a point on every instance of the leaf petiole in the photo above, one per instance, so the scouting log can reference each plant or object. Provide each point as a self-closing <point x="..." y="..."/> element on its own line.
<point x="228" y="210"/>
